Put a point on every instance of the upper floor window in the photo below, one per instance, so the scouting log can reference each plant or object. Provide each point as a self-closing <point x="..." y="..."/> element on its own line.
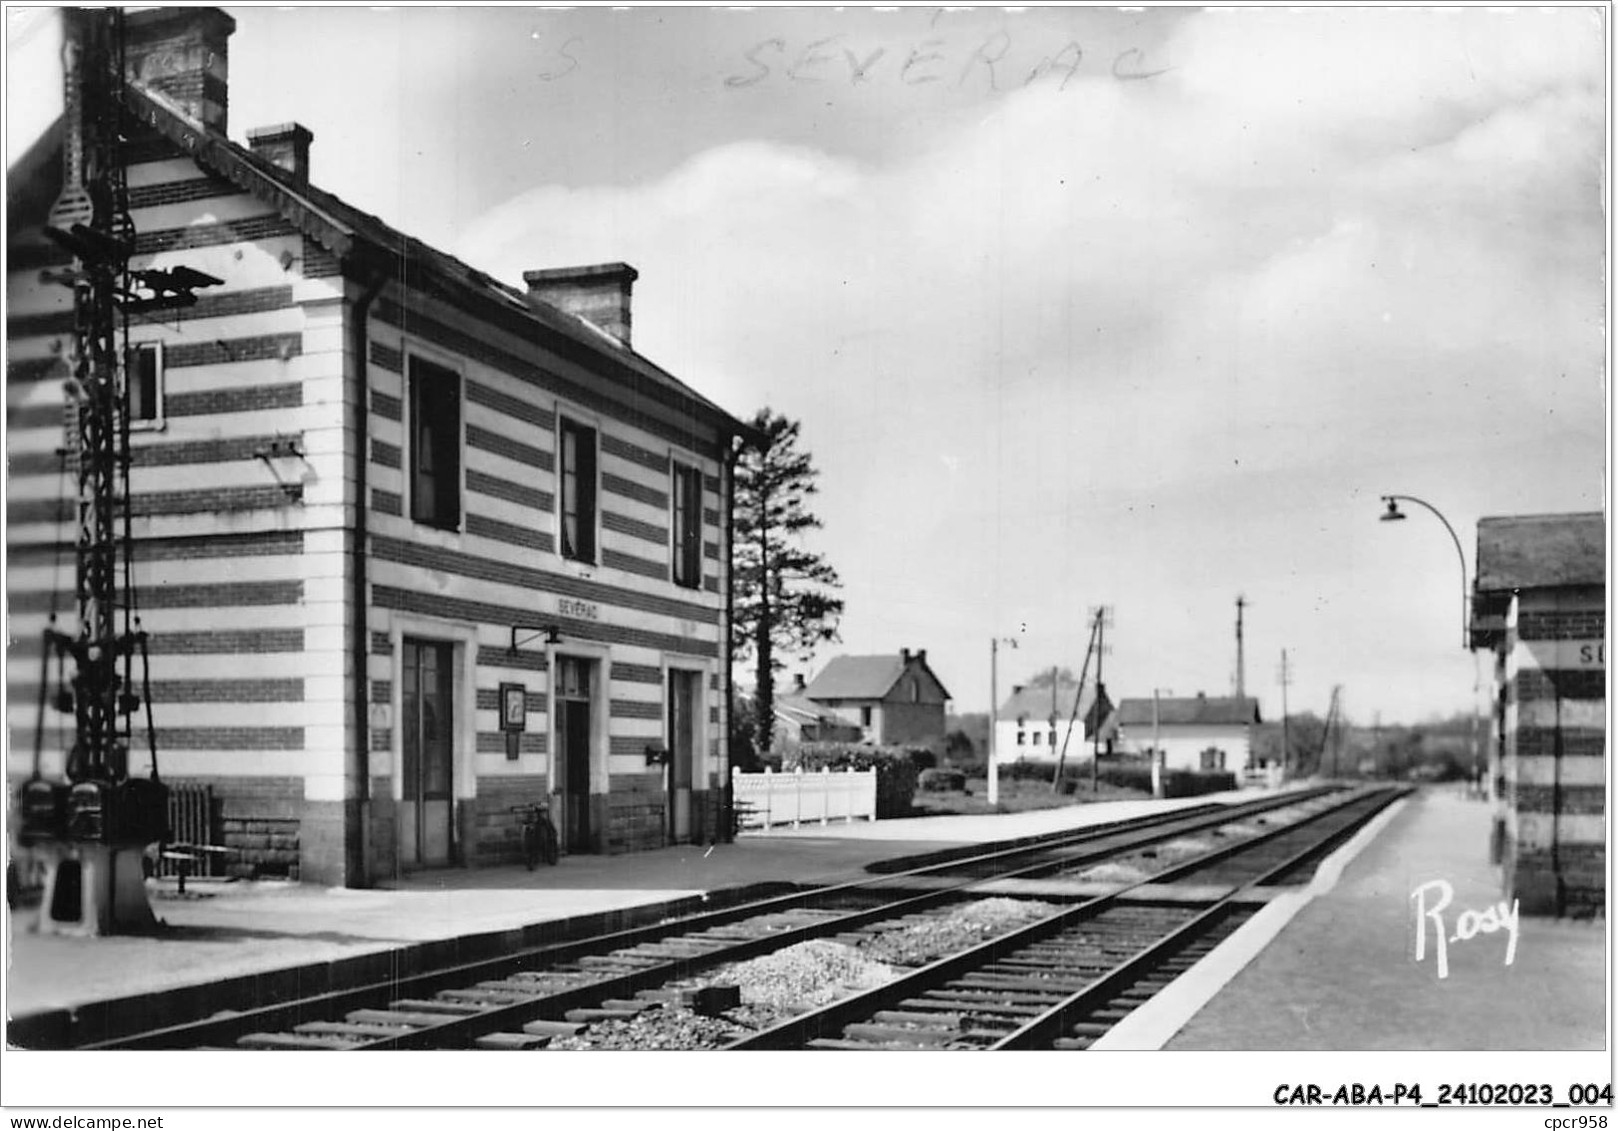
<point x="687" y="526"/>
<point x="435" y="445"/>
<point x="865" y="716"/>
<point x="578" y="445"/>
<point x="143" y="372"/>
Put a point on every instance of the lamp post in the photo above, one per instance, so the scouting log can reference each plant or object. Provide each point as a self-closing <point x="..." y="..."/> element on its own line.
<point x="994" y="712"/>
<point x="1394" y="514"/>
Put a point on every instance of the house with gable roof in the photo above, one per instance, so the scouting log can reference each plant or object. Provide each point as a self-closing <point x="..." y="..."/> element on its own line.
<point x="413" y="546"/>
<point x="1024" y="731"/>
<point x="893" y="699"/>
<point x="1195" y="733"/>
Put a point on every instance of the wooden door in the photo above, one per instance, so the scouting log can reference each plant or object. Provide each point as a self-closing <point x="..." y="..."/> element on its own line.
<point x="683" y="733"/>
<point x="429" y="727"/>
<point x="573" y="710"/>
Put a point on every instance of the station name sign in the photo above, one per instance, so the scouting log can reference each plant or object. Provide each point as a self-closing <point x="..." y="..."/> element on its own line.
<point x="578" y="610"/>
<point x="1565" y="655"/>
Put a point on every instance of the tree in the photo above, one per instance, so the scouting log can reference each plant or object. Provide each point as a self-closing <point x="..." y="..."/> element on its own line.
<point x="1042" y="678"/>
<point x="784" y="592"/>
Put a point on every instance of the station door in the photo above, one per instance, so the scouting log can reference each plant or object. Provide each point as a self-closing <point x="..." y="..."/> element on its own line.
<point x="429" y="727"/>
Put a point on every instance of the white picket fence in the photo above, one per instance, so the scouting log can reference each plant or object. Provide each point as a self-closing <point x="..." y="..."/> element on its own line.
<point x="796" y="797"/>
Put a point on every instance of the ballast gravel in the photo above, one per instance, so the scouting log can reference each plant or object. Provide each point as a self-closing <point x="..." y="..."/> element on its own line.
<point x="808" y="975"/>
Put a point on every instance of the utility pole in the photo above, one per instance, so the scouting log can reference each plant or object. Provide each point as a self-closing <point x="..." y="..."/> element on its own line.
<point x="1286" y="729"/>
<point x="994" y="713"/>
<point x="1084" y="674"/>
<point x="1241" y="662"/>
<point x="1102" y="614"/>
<point x="1157" y="745"/>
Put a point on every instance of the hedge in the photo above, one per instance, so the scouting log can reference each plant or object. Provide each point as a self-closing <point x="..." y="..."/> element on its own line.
<point x="895" y="767"/>
<point x="1176" y="783"/>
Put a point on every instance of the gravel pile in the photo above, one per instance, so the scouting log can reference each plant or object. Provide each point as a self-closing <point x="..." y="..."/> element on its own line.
<point x="916" y="944"/>
<point x="663" y="1028"/>
<point x="1115" y="872"/>
<point x="810" y="973"/>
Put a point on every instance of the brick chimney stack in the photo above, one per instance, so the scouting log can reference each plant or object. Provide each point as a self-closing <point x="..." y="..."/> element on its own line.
<point x="904" y="656"/>
<point x="599" y="294"/>
<point x="182" y="54"/>
<point x="285" y="146"/>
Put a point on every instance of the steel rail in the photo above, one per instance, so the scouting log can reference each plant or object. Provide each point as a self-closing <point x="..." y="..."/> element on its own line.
<point x="281" y="1015"/>
<point x="1040" y="1031"/>
<point x="463" y="1030"/>
<point x="188" y="1033"/>
<point x="830" y="1019"/>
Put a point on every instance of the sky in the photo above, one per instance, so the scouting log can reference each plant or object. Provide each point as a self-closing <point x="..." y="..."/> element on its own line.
<point x="1077" y="306"/>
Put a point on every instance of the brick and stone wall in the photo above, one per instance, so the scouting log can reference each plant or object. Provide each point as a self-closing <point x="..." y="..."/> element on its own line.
<point x="497" y="830"/>
<point x="1554" y="752"/>
<point x="637" y="813"/>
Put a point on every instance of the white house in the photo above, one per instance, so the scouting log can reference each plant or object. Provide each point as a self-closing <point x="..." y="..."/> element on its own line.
<point x="1194" y="734"/>
<point x="1024" y="732"/>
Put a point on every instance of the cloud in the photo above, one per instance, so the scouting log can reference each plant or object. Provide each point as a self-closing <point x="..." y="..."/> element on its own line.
<point x="1321" y="246"/>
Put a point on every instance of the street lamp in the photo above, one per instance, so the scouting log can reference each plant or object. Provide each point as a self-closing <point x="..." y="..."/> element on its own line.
<point x="994" y="712"/>
<point x="1394" y="514"/>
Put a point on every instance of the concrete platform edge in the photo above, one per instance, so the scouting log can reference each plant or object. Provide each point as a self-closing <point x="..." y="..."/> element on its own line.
<point x="1155" y="1023"/>
<point x="90" y="1022"/>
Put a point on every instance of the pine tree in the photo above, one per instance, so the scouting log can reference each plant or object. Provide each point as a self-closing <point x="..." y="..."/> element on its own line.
<point x="784" y="592"/>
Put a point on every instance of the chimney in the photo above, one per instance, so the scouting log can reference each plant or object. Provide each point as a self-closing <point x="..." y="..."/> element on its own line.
<point x="599" y="294"/>
<point x="904" y="656"/>
<point x="285" y="146"/>
<point x="921" y="656"/>
<point x="181" y="53"/>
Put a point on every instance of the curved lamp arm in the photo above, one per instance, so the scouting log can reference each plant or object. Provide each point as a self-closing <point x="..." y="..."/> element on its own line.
<point x="1393" y="512"/>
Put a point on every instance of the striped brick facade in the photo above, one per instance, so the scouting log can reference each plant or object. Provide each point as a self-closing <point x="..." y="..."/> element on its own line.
<point x="1551" y="669"/>
<point x="246" y="495"/>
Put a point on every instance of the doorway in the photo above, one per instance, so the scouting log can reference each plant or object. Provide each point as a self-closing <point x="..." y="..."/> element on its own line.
<point x="572" y="699"/>
<point x="427" y="809"/>
<point x="683" y="701"/>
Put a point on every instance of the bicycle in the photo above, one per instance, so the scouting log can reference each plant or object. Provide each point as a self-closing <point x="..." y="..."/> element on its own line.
<point x="538" y="835"/>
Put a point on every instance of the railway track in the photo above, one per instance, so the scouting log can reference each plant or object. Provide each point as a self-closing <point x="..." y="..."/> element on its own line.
<point x="553" y="993"/>
<point x="1062" y="982"/>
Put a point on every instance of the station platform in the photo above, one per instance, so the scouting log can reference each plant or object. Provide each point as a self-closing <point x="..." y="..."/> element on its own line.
<point x="1331" y="967"/>
<point x="225" y="939"/>
<point x="1338" y="969"/>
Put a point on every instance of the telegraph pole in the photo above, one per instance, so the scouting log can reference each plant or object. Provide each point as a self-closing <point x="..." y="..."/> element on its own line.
<point x="1241" y="662"/>
<point x="1286" y="730"/>
<point x="994" y="713"/>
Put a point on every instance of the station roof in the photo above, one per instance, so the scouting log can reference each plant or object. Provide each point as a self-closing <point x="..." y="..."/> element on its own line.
<point x="1537" y="551"/>
<point x="1198" y="711"/>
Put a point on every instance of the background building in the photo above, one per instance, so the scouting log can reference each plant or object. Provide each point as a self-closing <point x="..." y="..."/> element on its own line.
<point x="414" y="546"/>
<point x="894" y="700"/>
<point x="1539" y="605"/>
<point x="1194" y="734"/>
<point x="1023" y="731"/>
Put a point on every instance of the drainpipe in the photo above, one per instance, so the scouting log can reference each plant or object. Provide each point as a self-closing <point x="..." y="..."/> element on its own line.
<point x="355" y="865"/>
<point x="726" y="831"/>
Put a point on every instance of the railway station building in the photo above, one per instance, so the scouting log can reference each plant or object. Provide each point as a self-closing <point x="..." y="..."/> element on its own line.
<point x="1539" y="606"/>
<point x="413" y="546"/>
